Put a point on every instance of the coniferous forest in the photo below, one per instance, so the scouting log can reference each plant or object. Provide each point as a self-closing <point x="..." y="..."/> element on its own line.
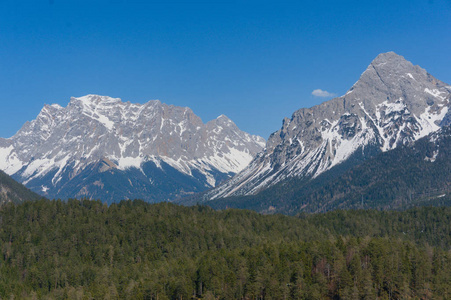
<point x="135" y="250"/>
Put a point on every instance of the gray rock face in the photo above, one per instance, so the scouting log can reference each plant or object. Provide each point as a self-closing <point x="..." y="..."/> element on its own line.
<point x="393" y="103"/>
<point x="104" y="134"/>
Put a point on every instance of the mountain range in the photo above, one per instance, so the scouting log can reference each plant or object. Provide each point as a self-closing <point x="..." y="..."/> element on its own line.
<point x="100" y="147"/>
<point x="322" y="158"/>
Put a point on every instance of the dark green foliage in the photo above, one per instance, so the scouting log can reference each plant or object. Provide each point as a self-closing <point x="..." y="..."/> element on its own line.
<point x="12" y="191"/>
<point x="134" y="250"/>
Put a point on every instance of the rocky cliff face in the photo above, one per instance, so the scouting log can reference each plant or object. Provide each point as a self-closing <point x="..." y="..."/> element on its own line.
<point x="90" y="147"/>
<point x="393" y="103"/>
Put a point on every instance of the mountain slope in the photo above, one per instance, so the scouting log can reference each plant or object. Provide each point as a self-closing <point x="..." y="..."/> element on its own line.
<point x="410" y="175"/>
<point x="393" y="103"/>
<point x="12" y="191"/>
<point x="101" y="147"/>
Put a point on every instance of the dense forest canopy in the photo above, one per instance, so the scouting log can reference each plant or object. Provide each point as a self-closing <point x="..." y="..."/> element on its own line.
<point x="134" y="250"/>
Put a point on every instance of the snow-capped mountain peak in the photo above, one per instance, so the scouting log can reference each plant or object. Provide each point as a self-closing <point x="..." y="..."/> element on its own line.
<point x="392" y="103"/>
<point x="63" y="143"/>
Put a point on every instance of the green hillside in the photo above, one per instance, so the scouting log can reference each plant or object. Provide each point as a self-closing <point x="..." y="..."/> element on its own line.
<point x="12" y="191"/>
<point x="135" y="250"/>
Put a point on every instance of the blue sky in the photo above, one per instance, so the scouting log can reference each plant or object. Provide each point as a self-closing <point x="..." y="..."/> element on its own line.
<point x="254" y="61"/>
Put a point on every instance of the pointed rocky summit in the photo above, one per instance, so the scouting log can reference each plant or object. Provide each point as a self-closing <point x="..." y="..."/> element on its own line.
<point x="393" y="103"/>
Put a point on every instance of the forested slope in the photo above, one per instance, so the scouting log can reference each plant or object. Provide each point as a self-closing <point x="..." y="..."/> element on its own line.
<point x="13" y="191"/>
<point x="410" y="175"/>
<point x="134" y="250"/>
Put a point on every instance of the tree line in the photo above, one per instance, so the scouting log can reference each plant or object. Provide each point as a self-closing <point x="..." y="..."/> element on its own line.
<point x="82" y="249"/>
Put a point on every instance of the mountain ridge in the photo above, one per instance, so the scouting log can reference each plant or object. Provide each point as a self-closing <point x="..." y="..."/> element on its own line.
<point x="393" y="103"/>
<point x="64" y="142"/>
<point x="398" y="179"/>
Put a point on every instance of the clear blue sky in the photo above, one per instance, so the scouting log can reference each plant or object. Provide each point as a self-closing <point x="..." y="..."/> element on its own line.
<point x="254" y="61"/>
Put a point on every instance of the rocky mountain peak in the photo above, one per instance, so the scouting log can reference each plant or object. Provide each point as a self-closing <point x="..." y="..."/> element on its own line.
<point x="390" y="60"/>
<point x="222" y="120"/>
<point x="95" y="99"/>
<point x="64" y="142"/>
<point x="393" y="103"/>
